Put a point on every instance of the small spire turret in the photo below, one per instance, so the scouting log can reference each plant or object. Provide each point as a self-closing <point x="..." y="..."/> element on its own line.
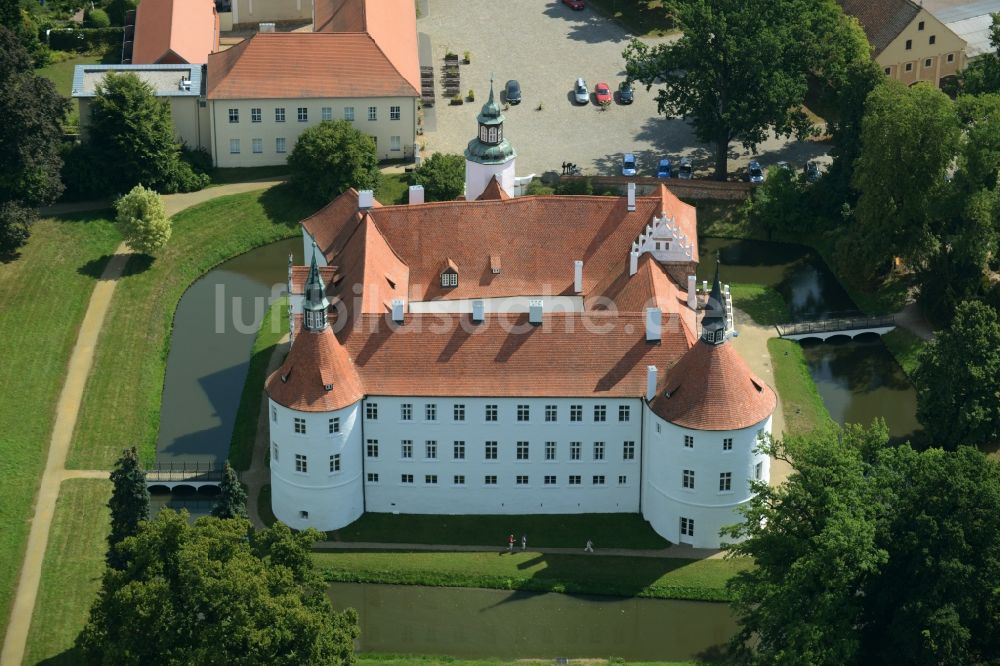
<point x="713" y="324"/>
<point x="315" y="305"/>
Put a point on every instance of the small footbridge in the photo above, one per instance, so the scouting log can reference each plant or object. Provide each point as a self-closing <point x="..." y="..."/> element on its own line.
<point x="185" y="475"/>
<point x="823" y="329"/>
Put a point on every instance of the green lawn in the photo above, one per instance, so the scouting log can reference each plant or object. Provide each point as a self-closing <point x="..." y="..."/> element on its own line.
<point x="657" y="577"/>
<point x="121" y="406"/>
<point x="224" y="176"/>
<point x="801" y="403"/>
<point x="375" y="659"/>
<point x="395" y="189"/>
<point x="905" y="347"/>
<point x="43" y="296"/>
<point x="642" y="18"/>
<point x="71" y="572"/>
<point x="764" y="304"/>
<point x="273" y="327"/>
<point x="607" y="530"/>
<point x="61" y="74"/>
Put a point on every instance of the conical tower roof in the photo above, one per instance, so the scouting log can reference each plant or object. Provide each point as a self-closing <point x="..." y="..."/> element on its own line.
<point x="490" y="146"/>
<point x="317" y="375"/>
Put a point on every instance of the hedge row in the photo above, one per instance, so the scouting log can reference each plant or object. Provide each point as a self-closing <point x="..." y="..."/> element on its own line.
<point x="84" y="39"/>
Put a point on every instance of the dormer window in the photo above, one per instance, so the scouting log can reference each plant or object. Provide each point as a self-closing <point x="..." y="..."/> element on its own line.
<point x="449" y="274"/>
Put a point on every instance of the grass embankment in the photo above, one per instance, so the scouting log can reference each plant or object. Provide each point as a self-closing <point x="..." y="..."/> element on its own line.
<point x="273" y="327"/>
<point x="71" y="572"/>
<point x="662" y="578"/>
<point x="608" y="530"/>
<point x="375" y="659"/>
<point x="642" y="18"/>
<point x="905" y="348"/>
<point x="121" y="405"/>
<point x="801" y="403"/>
<point x="764" y="304"/>
<point x="61" y="75"/>
<point x="43" y="296"/>
<point x="227" y="175"/>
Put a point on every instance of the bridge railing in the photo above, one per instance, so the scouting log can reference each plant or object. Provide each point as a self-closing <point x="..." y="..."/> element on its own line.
<point x="835" y="324"/>
<point x="184" y="471"/>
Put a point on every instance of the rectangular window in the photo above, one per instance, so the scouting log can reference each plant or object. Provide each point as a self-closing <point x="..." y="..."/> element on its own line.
<point x="927" y="62"/>
<point x="574" y="450"/>
<point x="888" y="70"/>
<point x="234" y="146"/>
<point x="326" y="113"/>
<point x="395" y="145"/>
<point x="491" y="451"/>
<point x="727" y="443"/>
<point x="279" y="145"/>
<point x="951" y="57"/>
<point x="394" y="113"/>
<point x="523" y="413"/>
<point x="406" y="412"/>
<point x="431" y="449"/>
<point x="622" y="480"/>
<point x="430" y="479"/>
<point x="551" y="413"/>
<point x="458" y="450"/>
<point x="300" y="426"/>
<point x="430" y="412"/>
<point x="255" y="115"/>
<point x="550" y="450"/>
<point x="274" y="451"/>
<point x="522" y="479"/>
<point x="301" y="463"/>
<point x="458" y="480"/>
<point x="279" y="114"/>
<point x="688" y="441"/>
<point x="490" y="480"/>
<point x="598" y="480"/>
<point x="371" y="411"/>
<point x="624" y="413"/>
<point x="406" y="478"/>
<point x="372" y="448"/>
<point x="491" y="412"/>
<point x="920" y="25"/>
<point x="574" y="479"/>
<point x="758" y="471"/>
<point x="725" y="481"/>
<point x="458" y="412"/>
<point x="334" y="425"/>
<point x="933" y="38"/>
<point x="335" y="462"/>
<point x="522" y="450"/>
<point x="576" y="413"/>
<point x="687" y="527"/>
<point x="234" y="116"/>
<point x="628" y="451"/>
<point x="303" y="114"/>
<point x="349" y="113"/>
<point x="550" y="480"/>
<point x="372" y="113"/>
<point x="687" y="479"/>
<point x="600" y="413"/>
<point x="372" y="477"/>
<point x="257" y="145"/>
<point x="909" y="67"/>
<point x="406" y="448"/>
<point x="598" y="450"/>
<point x="909" y="44"/>
<point x="274" y="414"/>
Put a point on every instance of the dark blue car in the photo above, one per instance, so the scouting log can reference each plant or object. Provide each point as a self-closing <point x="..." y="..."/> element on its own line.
<point x="625" y="93"/>
<point x="663" y="169"/>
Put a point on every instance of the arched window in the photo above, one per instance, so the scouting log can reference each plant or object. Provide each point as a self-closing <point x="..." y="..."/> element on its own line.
<point x="493" y="135"/>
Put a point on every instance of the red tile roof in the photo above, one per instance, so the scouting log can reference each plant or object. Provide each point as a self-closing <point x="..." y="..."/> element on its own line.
<point x="316" y="360"/>
<point x="882" y="20"/>
<point x="302" y="65"/>
<point x="711" y="388"/>
<point x="175" y="32"/>
<point x="493" y="191"/>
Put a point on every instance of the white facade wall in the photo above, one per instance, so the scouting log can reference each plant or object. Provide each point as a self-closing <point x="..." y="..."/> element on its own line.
<point x="317" y="497"/>
<point x="269" y="130"/>
<point x="387" y="492"/>
<point x="478" y="176"/>
<point x="665" y="500"/>
<point x="190" y="120"/>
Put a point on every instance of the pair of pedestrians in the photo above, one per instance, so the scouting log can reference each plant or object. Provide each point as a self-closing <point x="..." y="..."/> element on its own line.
<point x="510" y="543"/>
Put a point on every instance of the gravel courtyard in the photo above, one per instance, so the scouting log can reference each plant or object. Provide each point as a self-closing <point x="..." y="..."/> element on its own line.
<point x="545" y="46"/>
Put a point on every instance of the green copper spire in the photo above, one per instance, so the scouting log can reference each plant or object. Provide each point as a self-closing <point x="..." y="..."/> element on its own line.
<point x="315" y="305"/>
<point x="490" y="146"/>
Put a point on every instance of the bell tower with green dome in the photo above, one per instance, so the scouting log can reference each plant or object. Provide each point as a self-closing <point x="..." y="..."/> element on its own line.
<point x="489" y="154"/>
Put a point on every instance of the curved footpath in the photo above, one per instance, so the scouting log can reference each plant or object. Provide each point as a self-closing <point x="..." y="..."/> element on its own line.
<point x="68" y="408"/>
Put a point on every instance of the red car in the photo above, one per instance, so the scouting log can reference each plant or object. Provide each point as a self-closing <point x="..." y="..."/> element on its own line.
<point x="603" y="93"/>
<point x="573" y="4"/>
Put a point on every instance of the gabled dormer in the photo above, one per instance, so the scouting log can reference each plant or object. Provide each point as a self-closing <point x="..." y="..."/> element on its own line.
<point x="664" y="239"/>
<point x="449" y="274"/>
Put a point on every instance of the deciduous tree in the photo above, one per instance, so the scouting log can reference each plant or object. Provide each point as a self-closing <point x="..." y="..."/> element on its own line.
<point x="442" y="175"/>
<point x="142" y="220"/>
<point x="332" y="157"/>
<point x="983" y="74"/>
<point x="129" y="504"/>
<point x="232" y="501"/>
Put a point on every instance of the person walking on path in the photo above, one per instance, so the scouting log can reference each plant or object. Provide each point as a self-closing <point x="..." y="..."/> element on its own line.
<point x="510" y="544"/>
<point x="524" y="542"/>
<point x="589" y="548"/>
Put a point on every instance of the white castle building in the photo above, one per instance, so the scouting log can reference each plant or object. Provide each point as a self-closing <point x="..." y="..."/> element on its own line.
<point x="535" y="354"/>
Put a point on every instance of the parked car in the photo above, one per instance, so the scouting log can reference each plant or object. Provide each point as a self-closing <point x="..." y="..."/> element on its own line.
<point x="574" y="4"/>
<point x="512" y="92"/>
<point x="663" y="169"/>
<point x="685" y="171"/>
<point x="580" y="92"/>
<point x="628" y="165"/>
<point x="625" y="93"/>
<point x="812" y="171"/>
<point x="602" y="93"/>
<point x="754" y="173"/>
<point x="784" y="165"/>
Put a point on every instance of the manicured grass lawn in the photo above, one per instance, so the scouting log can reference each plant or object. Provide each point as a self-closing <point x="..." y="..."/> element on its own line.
<point x="642" y="18"/>
<point x="801" y="403"/>
<point x="61" y="74"/>
<point x="43" y="296"/>
<point x="121" y="405"/>
<point x="905" y="347"/>
<point x="607" y="530"/>
<point x="225" y="176"/>
<point x="765" y="305"/>
<point x="71" y="572"/>
<point x="395" y="189"/>
<point x="663" y="578"/>
<point x="273" y="327"/>
<point x="374" y="659"/>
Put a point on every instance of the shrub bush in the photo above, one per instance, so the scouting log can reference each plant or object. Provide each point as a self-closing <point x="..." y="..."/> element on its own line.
<point x="96" y="18"/>
<point x="85" y="39"/>
<point x="142" y="220"/>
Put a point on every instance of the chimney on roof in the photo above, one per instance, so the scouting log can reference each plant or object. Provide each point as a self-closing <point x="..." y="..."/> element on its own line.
<point x="535" y="311"/>
<point x="631" y="197"/>
<point x="265" y="27"/>
<point x="416" y="194"/>
<point x="366" y="199"/>
<point x="477" y="311"/>
<point x="397" y="310"/>
<point x="654" y="324"/>
<point x="633" y="262"/>
<point x="650" y="382"/>
<point x="692" y="292"/>
<point x="578" y="276"/>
